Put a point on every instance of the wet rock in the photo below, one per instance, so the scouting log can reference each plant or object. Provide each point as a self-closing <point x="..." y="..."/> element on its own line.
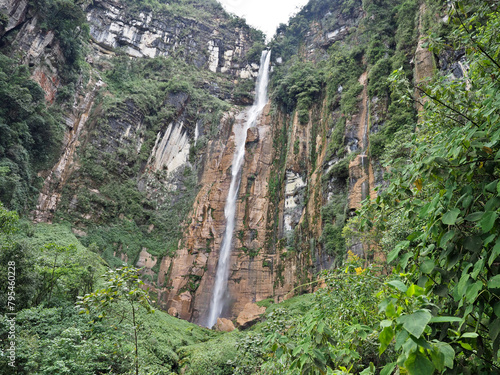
<point x="252" y="135"/>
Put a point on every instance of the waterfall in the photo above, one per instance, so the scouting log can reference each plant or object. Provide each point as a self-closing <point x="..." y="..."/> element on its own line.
<point x="221" y="276"/>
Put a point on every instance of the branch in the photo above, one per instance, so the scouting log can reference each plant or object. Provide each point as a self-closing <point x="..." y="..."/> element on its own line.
<point x="446" y="105"/>
<point x="471" y="37"/>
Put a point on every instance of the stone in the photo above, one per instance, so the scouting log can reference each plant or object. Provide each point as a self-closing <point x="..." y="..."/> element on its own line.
<point x="250" y="315"/>
<point x="79" y="232"/>
<point x="224" y="325"/>
<point x="173" y="312"/>
<point x="252" y="135"/>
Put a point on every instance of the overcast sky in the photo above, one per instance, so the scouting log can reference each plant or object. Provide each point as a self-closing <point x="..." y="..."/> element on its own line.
<point x="264" y="15"/>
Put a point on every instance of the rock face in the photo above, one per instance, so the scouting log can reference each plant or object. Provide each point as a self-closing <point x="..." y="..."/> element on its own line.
<point x="148" y="34"/>
<point x="250" y="315"/>
<point x="41" y="50"/>
<point x="56" y="179"/>
<point x="249" y="278"/>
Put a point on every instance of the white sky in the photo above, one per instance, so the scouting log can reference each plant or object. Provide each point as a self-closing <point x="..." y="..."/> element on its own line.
<point x="264" y="15"/>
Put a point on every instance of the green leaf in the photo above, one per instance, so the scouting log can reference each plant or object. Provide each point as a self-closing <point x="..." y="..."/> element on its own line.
<point x="388" y="369"/>
<point x="450" y="217"/>
<point x="427" y="266"/>
<point x="385" y="338"/>
<point x="386" y="323"/>
<point x="473" y="243"/>
<point x="447" y="237"/>
<point x="494" y="329"/>
<point x="404" y="259"/>
<point x="495" y="252"/>
<point x="414" y="290"/>
<point x="394" y="253"/>
<point x="491" y="187"/>
<point x="401" y="337"/>
<point x="469" y="335"/>
<point x="390" y="310"/>
<point x="478" y="267"/>
<point x="488" y="221"/>
<point x="399" y="285"/>
<point x="496" y="309"/>
<point x="418" y="364"/>
<point x="415" y="323"/>
<point x="437" y="359"/>
<point x="472" y="291"/>
<point x="494" y="282"/>
<point x="424" y="210"/>
<point x="475" y="216"/>
<point x="461" y="287"/>
<point x="448" y="352"/>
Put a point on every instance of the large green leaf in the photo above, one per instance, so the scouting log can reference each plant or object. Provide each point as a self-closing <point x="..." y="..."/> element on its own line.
<point x="494" y="282"/>
<point x="450" y="217"/>
<point x="385" y="338"/>
<point x="472" y="291"/>
<point x="427" y="266"/>
<point x="488" y="221"/>
<point x="444" y="319"/>
<point x="448" y="353"/>
<point x="399" y="285"/>
<point x="475" y="216"/>
<point x="418" y="364"/>
<point x="388" y="369"/>
<point x="495" y="252"/>
<point x="415" y="323"/>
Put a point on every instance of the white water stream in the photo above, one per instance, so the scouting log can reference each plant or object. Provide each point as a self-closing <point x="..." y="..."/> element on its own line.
<point x="240" y="135"/>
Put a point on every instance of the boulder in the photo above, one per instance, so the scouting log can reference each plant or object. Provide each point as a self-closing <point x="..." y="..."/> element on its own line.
<point x="252" y="135"/>
<point x="224" y="325"/>
<point x="250" y="315"/>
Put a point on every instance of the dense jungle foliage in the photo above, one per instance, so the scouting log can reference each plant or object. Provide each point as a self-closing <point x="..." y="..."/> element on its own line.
<point x="430" y="303"/>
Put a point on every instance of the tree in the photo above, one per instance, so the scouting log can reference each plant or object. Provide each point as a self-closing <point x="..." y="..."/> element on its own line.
<point x="121" y="285"/>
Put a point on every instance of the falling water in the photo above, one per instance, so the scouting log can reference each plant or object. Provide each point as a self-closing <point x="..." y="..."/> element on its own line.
<point x="221" y="276"/>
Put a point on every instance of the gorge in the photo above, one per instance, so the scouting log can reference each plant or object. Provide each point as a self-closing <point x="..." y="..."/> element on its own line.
<point x="333" y="192"/>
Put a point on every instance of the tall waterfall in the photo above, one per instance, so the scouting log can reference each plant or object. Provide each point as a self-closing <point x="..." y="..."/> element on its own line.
<point x="240" y="134"/>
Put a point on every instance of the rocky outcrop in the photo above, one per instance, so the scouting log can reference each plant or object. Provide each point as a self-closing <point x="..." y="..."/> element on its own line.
<point x="361" y="178"/>
<point x="424" y="61"/>
<point x="55" y="179"/>
<point x="152" y="34"/>
<point x="40" y="49"/>
<point x="250" y="315"/>
<point x="224" y="325"/>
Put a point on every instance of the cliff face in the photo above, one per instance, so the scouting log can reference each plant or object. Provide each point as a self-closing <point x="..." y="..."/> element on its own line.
<point x="145" y="165"/>
<point x="40" y="49"/>
<point x="150" y="34"/>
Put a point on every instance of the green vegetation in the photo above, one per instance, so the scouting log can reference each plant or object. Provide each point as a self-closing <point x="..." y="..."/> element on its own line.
<point x="442" y="311"/>
<point x="30" y="135"/>
<point x="30" y="132"/>
<point x="52" y="337"/>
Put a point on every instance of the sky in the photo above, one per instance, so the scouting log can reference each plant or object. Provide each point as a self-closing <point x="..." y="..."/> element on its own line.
<point x="264" y="15"/>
